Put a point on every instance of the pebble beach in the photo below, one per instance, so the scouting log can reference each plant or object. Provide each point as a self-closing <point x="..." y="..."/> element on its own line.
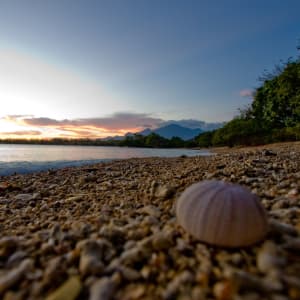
<point x="109" y="230"/>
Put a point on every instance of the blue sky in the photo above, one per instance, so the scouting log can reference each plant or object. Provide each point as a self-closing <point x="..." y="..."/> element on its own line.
<point x="108" y="60"/>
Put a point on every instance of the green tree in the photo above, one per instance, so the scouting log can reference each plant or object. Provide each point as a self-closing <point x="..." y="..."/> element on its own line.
<point x="239" y="131"/>
<point x="277" y="102"/>
<point x="176" y="142"/>
<point x="154" y="140"/>
<point x="205" y="139"/>
<point x="136" y="140"/>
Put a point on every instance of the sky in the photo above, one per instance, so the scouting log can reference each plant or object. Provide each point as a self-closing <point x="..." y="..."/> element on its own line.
<point x="96" y="68"/>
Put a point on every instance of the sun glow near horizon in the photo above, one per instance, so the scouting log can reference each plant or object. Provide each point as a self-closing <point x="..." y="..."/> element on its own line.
<point x="14" y="127"/>
<point x="31" y="85"/>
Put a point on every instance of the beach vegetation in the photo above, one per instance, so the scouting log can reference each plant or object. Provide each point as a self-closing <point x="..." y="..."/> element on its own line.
<point x="273" y="116"/>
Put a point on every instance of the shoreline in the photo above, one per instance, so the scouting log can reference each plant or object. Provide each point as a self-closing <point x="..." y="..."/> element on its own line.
<point x="33" y="159"/>
<point x="111" y="227"/>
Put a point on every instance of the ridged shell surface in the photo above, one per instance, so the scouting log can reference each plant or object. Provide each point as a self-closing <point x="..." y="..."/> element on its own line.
<point x="222" y="214"/>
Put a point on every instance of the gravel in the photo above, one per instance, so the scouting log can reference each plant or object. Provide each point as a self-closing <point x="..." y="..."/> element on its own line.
<point x="109" y="231"/>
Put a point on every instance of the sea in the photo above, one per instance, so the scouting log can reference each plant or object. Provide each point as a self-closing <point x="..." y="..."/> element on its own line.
<point x="20" y="159"/>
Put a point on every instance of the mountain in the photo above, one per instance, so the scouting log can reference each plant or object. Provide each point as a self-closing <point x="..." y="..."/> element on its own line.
<point x="173" y="130"/>
<point x="185" y="129"/>
<point x="194" y="124"/>
<point x="146" y="131"/>
<point x="113" y="138"/>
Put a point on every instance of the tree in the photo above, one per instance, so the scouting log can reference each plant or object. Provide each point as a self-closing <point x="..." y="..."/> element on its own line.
<point x="176" y="142"/>
<point x="205" y="139"/>
<point x="277" y="102"/>
<point x="274" y="114"/>
<point x="154" y="140"/>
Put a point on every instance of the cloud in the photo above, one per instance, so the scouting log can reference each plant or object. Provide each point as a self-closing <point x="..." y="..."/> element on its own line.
<point x="22" y="133"/>
<point x="13" y="117"/>
<point x="116" y="124"/>
<point x="42" y="122"/>
<point x="119" y="123"/>
<point x="246" y="93"/>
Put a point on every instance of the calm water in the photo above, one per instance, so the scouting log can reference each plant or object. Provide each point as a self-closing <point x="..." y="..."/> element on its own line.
<point x="32" y="158"/>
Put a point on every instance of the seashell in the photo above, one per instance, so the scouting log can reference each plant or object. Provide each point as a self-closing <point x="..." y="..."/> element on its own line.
<point x="222" y="214"/>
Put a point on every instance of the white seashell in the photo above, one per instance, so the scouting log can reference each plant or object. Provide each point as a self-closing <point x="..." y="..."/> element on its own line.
<point x="222" y="214"/>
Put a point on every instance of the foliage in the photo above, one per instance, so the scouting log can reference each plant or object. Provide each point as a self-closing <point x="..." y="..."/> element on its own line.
<point x="151" y="141"/>
<point x="273" y="116"/>
<point x="238" y="131"/>
<point x="176" y="142"/>
<point x="204" y="140"/>
<point x="277" y="102"/>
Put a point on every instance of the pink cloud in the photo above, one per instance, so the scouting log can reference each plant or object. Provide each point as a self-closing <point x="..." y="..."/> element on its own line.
<point x="119" y="123"/>
<point x="115" y="122"/>
<point x="246" y="93"/>
<point x="22" y="133"/>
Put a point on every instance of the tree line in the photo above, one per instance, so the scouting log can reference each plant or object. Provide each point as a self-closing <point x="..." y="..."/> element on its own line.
<point x="152" y="140"/>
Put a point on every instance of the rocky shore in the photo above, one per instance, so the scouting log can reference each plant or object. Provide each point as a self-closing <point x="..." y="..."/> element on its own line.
<point x="108" y="231"/>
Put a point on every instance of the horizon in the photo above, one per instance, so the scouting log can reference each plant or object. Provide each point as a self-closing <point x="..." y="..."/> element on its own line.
<point x="192" y="125"/>
<point x="93" y="69"/>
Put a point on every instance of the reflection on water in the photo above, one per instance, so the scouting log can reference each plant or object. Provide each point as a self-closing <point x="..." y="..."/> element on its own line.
<point x="34" y="158"/>
<point x="12" y="153"/>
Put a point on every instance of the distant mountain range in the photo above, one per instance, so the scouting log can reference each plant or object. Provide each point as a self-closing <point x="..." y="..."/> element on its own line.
<point x="173" y="130"/>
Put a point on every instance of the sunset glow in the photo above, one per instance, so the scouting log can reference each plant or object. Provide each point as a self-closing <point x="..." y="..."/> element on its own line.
<point x="77" y="69"/>
<point x="28" y="127"/>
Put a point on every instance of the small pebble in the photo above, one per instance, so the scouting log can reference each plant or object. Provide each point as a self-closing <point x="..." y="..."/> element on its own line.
<point x="69" y="290"/>
<point x="104" y="288"/>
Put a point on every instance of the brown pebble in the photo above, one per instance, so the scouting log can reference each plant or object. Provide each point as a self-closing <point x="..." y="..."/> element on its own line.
<point x="69" y="290"/>
<point x="223" y="290"/>
<point x="15" y="275"/>
<point x="104" y="288"/>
